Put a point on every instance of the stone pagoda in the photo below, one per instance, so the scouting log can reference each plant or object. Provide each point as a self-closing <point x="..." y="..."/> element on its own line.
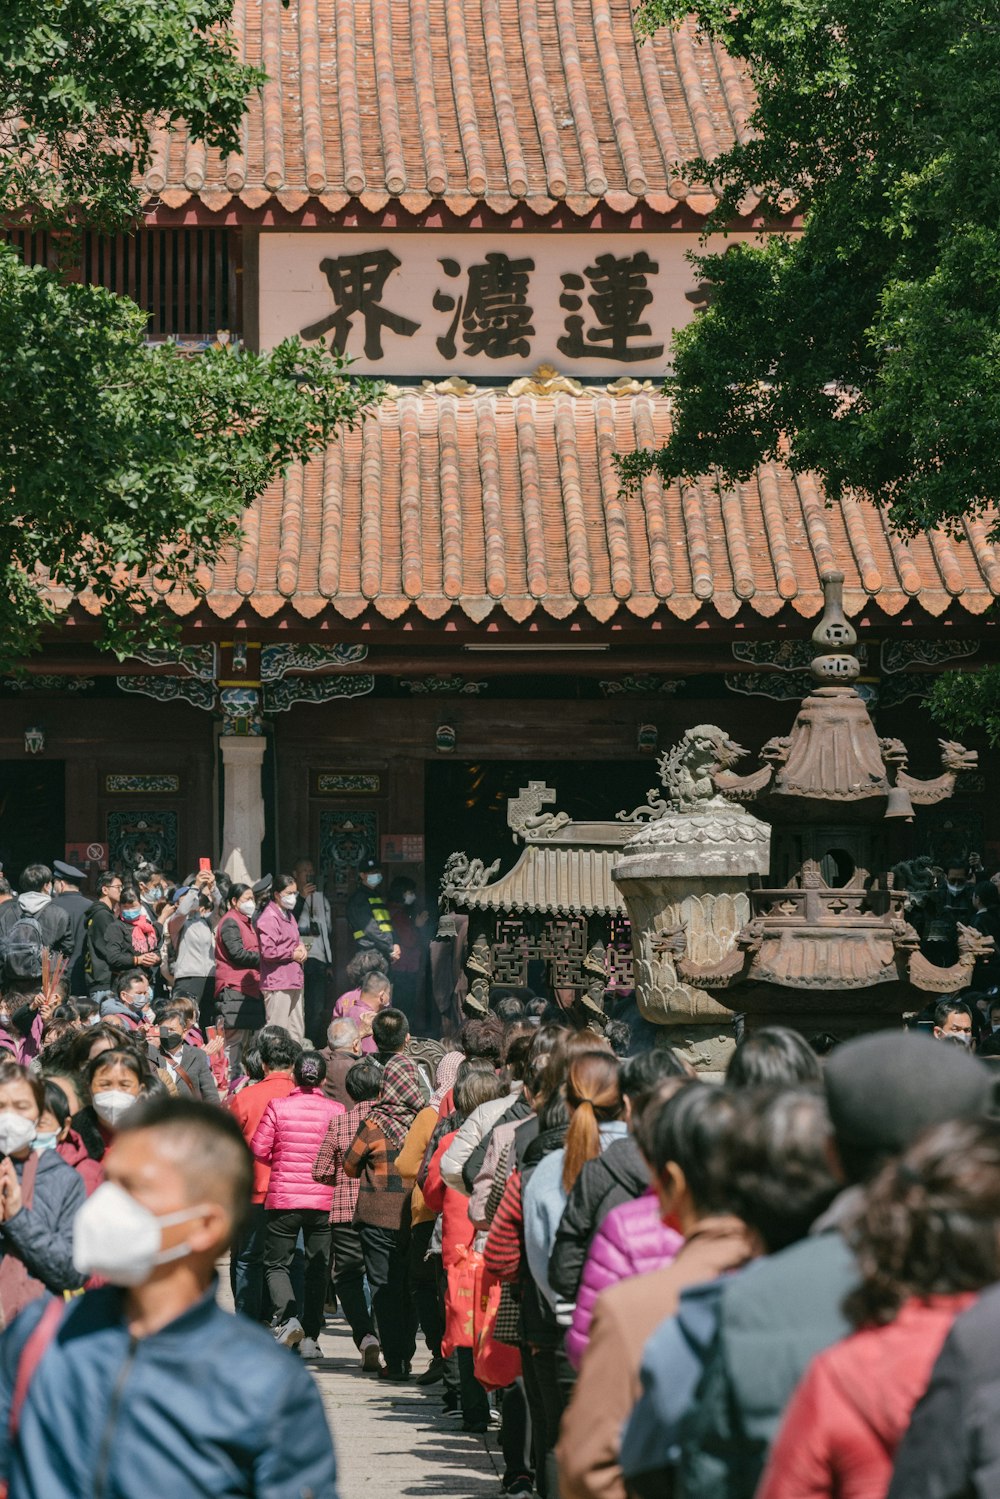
<point x="828" y="945"/>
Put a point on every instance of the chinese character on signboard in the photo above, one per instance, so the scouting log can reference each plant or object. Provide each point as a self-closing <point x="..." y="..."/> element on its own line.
<point x="619" y="295"/>
<point x="402" y="848"/>
<point x="494" y="312"/>
<point x="357" y="282"/>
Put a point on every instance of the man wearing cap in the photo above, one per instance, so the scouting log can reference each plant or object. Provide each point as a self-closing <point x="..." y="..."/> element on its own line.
<point x="368" y="915"/>
<point x="882" y="1091"/>
<point x="68" y="880"/>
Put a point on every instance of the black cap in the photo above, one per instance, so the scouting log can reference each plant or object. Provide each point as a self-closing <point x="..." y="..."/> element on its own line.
<point x="885" y="1089"/>
<point x="66" y="871"/>
<point x="369" y="866"/>
<point x="261" y="886"/>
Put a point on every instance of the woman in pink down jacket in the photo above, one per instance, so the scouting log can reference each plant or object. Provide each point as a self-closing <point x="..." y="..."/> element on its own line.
<point x="288" y="1139"/>
<point x="632" y="1240"/>
<point x="282" y="953"/>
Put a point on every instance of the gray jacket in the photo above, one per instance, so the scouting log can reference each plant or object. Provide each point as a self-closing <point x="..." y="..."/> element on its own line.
<point x="41" y="1236"/>
<point x="774" y="1317"/>
<point x="196" y="1064"/>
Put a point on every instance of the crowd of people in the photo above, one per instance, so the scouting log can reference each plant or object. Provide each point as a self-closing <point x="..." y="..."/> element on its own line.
<point x="783" y="1284"/>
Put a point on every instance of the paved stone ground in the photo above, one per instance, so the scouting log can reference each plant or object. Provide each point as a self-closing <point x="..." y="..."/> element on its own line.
<point x="394" y="1439"/>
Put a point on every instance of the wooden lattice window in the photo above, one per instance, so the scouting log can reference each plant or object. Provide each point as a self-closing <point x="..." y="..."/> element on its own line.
<point x="184" y="279"/>
<point x="32" y="243"/>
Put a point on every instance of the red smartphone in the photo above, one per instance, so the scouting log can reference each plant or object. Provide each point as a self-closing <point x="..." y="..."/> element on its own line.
<point x="204" y="866"/>
<point x="211" y="1032"/>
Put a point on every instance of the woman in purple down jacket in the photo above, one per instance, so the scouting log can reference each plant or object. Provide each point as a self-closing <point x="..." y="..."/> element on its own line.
<point x="288" y="1138"/>
<point x="632" y="1240"/>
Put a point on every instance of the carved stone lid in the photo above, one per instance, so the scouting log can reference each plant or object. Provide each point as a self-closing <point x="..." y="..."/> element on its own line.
<point x="833" y="751"/>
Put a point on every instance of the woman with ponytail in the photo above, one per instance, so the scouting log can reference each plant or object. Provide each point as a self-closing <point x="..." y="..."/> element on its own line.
<point x="927" y="1243"/>
<point x="596" y="1117"/>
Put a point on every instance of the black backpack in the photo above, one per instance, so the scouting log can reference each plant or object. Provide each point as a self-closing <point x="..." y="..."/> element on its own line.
<point x="21" y="949"/>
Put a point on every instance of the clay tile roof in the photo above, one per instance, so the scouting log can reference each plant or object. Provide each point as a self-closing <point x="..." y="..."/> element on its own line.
<point x="509" y="506"/>
<point x="469" y="101"/>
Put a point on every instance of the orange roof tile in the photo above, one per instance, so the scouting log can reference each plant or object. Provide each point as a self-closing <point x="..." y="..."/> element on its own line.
<point x="509" y="505"/>
<point x="469" y="101"/>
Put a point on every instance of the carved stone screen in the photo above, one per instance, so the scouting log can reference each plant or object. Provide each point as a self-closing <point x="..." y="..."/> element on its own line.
<point x="559" y="944"/>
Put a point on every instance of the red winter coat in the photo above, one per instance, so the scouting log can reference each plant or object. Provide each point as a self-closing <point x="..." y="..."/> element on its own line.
<point x="74" y="1153"/>
<point x="289" y="1137"/>
<point x="456" y="1225"/>
<point x="848" y="1415"/>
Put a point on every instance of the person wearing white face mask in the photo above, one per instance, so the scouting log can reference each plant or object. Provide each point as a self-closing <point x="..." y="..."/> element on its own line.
<point x="953" y="1022"/>
<point x="312" y="912"/>
<point x="282" y="953"/>
<point x="368" y="915"/>
<point x="146" y="1386"/>
<point x="116" y="1079"/>
<point x="239" y="1006"/>
<point x="39" y="1197"/>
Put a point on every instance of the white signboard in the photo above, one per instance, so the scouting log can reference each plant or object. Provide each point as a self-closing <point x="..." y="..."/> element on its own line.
<point x="482" y="304"/>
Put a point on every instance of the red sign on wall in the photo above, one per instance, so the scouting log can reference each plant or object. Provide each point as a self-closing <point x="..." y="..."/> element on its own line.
<point x="82" y="854"/>
<point x="402" y="848"/>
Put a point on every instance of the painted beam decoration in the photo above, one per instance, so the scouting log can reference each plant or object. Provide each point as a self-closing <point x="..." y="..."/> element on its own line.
<point x="591" y="304"/>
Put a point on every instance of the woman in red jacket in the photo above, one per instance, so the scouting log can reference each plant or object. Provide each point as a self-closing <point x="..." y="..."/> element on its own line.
<point x="927" y="1244"/>
<point x="457" y="1234"/>
<point x="239" y="1006"/>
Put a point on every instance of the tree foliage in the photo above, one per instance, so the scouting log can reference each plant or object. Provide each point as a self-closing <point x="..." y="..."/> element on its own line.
<point x="968" y="702"/>
<point x="126" y="467"/>
<point x="866" y="347"/>
<point x="81" y="82"/>
<point x="123" y="469"/>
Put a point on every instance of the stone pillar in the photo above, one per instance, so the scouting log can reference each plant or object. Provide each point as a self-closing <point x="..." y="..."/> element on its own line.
<point x="684" y="879"/>
<point x="243" y="810"/>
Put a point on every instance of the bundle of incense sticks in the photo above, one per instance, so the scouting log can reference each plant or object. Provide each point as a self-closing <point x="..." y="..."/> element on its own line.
<point x="53" y="968"/>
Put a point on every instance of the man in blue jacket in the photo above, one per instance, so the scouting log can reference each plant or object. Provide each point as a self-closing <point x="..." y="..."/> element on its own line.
<point x="147" y="1387"/>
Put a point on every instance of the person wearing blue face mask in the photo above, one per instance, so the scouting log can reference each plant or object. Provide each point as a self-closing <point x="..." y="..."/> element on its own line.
<point x="53" y="1121"/>
<point x="55" y="1130"/>
<point x="368" y="915"/>
<point x="131" y="940"/>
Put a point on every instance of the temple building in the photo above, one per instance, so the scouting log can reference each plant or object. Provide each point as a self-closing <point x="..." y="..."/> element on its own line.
<point x="481" y="203"/>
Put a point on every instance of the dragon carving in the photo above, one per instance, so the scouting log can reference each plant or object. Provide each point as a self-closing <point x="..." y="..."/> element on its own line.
<point x="462" y="873"/>
<point x="972" y="945"/>
<point x="688" y="773"/>
<point x="955" y="760"/>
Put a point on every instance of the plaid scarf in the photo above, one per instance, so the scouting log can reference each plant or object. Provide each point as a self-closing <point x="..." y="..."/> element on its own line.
<point x="403" y="1095"/>
<point x="446" y="1075"/>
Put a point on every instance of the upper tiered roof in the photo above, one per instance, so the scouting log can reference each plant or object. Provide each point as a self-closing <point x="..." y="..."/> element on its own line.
<point x="464" y="102"/>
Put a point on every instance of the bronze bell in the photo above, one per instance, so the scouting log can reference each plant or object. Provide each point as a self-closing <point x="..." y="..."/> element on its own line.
<point x="899" y="804"/>
<point x="447" y="929"/>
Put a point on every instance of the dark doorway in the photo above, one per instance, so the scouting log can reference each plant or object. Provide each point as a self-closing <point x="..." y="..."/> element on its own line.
<point x="32" y="813"/>
<point x="466" y="805"/>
